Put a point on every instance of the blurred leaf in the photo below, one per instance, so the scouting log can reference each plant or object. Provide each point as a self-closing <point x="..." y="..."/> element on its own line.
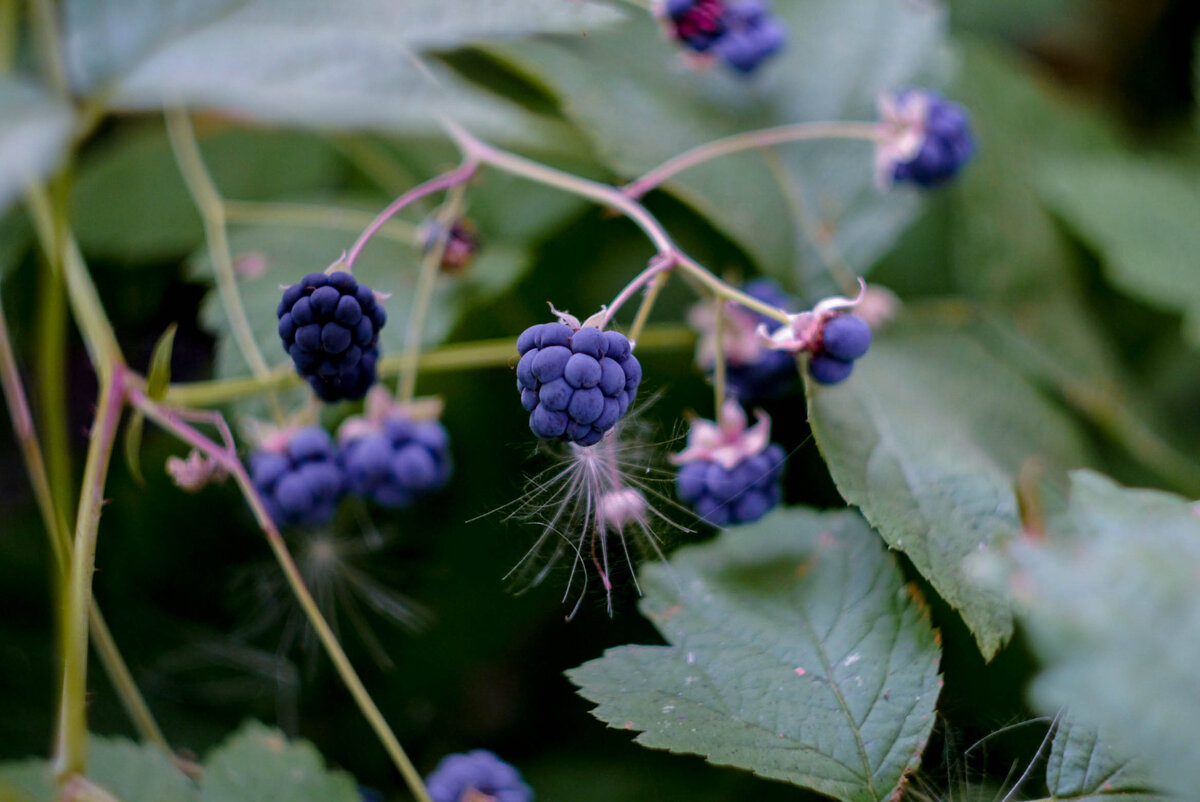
<point x="1112" y="608"/>
<point x="259" y="764"/>
<point x="35" y="131"/>
<point x="160" y="364"/>
<point x="1083" y="767"/>
<point x="131" y="772"/>
<point x="796" y="652"/>
<point x="133" y="445"/>
<point x="1142" y="217"/>
<point x="351" y="64"/>
<point x="840" y="56"/>
<point x="130" y="203"/>
<point x="927" y="437"/>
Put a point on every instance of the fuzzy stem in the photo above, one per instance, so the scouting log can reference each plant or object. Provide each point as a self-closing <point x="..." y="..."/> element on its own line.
<point x="426" y="284"/>
<point x="458" y="175"/>
<point x="173" y="422"/>
<point x="750" y="140"/>
<point x="71" y="750"/>
<point x="208" y="201"/>
<point x="311" y="215"/>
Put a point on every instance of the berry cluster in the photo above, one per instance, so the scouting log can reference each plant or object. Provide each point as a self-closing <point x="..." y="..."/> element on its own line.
<point x="742" y="33"/>
<point x="577" y="382"/>
<point x="299" y="478"/>
<point x="399" y="462"/>
<point x="945" y="144"/>
<point x="730" y="496"/>
<point x="477" y="774"/>
<point x="768" y="373"/>
<point x="843" y="339"/>
<point x="329" y="325"/>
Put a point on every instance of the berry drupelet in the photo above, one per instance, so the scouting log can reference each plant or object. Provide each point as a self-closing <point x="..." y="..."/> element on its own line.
<point x="476" y="775"/>
<point x="576" y="383"/>
<point x="398" y="462"/>
<point x="329" y="325"/>
<point x="843" y="339"/>
<point x="298" y="477"/>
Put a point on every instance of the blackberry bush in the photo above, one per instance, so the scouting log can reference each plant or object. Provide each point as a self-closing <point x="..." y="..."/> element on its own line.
<point x="576" y="383"/>
<point x="298" y="476"/>
<point x="329" y="326"/>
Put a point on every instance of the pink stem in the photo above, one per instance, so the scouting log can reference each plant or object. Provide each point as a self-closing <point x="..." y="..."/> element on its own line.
<point x="453" y="178"/>
<point x="659" y="264"/>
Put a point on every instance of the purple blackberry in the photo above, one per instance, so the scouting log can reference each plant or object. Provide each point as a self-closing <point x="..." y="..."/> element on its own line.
<point x="575" y="383"/>
<point x="329" y="325"/>
<point x="737" y="495"/>
<point x="767" y="373"/>
<point x="476" y="774"/>
<point x="298" y="477"/>
<point x="697" y="24"/>
<point x="400" y="462"/>
<point x="743" y="33"/>
<point x="844" y="338"/>
<point x="947" y="142"/>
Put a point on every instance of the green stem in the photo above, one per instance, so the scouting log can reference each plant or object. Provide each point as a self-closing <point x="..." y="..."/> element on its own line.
<point x="227" y="458"/>
<point x="50" y="372"/>
<point x="643" y="313"/>
<point x="71" y="750"/>
<point x="44" y="22"/>
<point x="719" y="364"/>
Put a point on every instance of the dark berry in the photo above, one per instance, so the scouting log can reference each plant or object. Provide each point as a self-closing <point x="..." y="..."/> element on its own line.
<point x="403" y="461"/>
<point x="948" y="144"/>
<point x="743" y="33"/>
<point x="845" y="337"/>
<point x="302" y="484"/>
<point x="772" y="373"/>
<point x="731" y="496"/>
<point x="827" y="369"/>
<point x="576" y="384"/>
<point x="478" y="771"/>
<point x="697" y="24"/>
<point x="329" y="325"/>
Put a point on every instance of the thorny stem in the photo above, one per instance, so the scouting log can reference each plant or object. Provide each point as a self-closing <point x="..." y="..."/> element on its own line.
<point x="60" y="542"/>
<point x="208" y="200"/>
<point x="750" y="140"/>
<point x="174" y="422"/>
<point x="71" y="751"/>
<point x="459" y="175"/>
<point x="426" y="283"/>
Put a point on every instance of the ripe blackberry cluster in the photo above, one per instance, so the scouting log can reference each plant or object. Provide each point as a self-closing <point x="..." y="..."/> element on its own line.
<point x="329" y="325"/>
<point x="742" y="33"/>
<point x="575" y="383"/>
<point x="773" y="372"/>
<point x="301" y="483"/>
<point x="731" y="496"/>
<point x="844" y="339"/>
<point x="478" y="771"/>
<point x="946" y="147"/>
<point x="403" y="461"/>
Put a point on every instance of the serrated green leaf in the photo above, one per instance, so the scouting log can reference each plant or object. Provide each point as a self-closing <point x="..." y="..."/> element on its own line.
<point x="1143" y="219"/>
<point x="1083" y="767"/>
<point x="840" y="56"/>
<point x="159" y="376"/>
<point x="35" y="130"/>
<point x="927" y="437"/>
<point x="259" y="764"/>
<point x="796" y="652"/>
<point x="1112" y="608"/>
<point x="133" y="445"/>
<point x="130" y="772"/>
<point x="351" y="64"/>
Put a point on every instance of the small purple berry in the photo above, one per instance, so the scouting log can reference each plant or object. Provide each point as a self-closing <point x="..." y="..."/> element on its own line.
<point x="479" y="771"/>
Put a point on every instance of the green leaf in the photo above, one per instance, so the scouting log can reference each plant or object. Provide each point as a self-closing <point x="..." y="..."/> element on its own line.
<point x="259" y="764"/>
<point x="160" y="364"/>
<point x="1112" y="608"/>
<point x="133" y="445"/>
<point x="840" y="56"/>
<point x="130" y="772"/>
<point x="926" y="437"/>
<point x="35" y="131"/>
<point x="796" y="652"/>
<point x="130" y="204"/>
<point x="350" y="64"/>
<point x="1142" y="217"/>
<point x="1083" y="767"/>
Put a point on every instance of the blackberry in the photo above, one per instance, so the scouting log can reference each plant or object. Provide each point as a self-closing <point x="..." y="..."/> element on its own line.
<point x="743" y="33"/>
<point x="947" y="144"/>
<point x="731" y="496"/>
<point x="398" y="464"/>
<point x="475" y="774"/>
<point x="844" y="339"/>
<point x="329" y="325"/>
<point x="575" y="383"/>
<point x="772" y="373"/>
<point x="697" y="24"/>
<point x="300" y="483"/>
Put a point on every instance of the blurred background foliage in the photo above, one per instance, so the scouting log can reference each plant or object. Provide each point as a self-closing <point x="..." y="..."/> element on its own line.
<point x="1061" y="91"/>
